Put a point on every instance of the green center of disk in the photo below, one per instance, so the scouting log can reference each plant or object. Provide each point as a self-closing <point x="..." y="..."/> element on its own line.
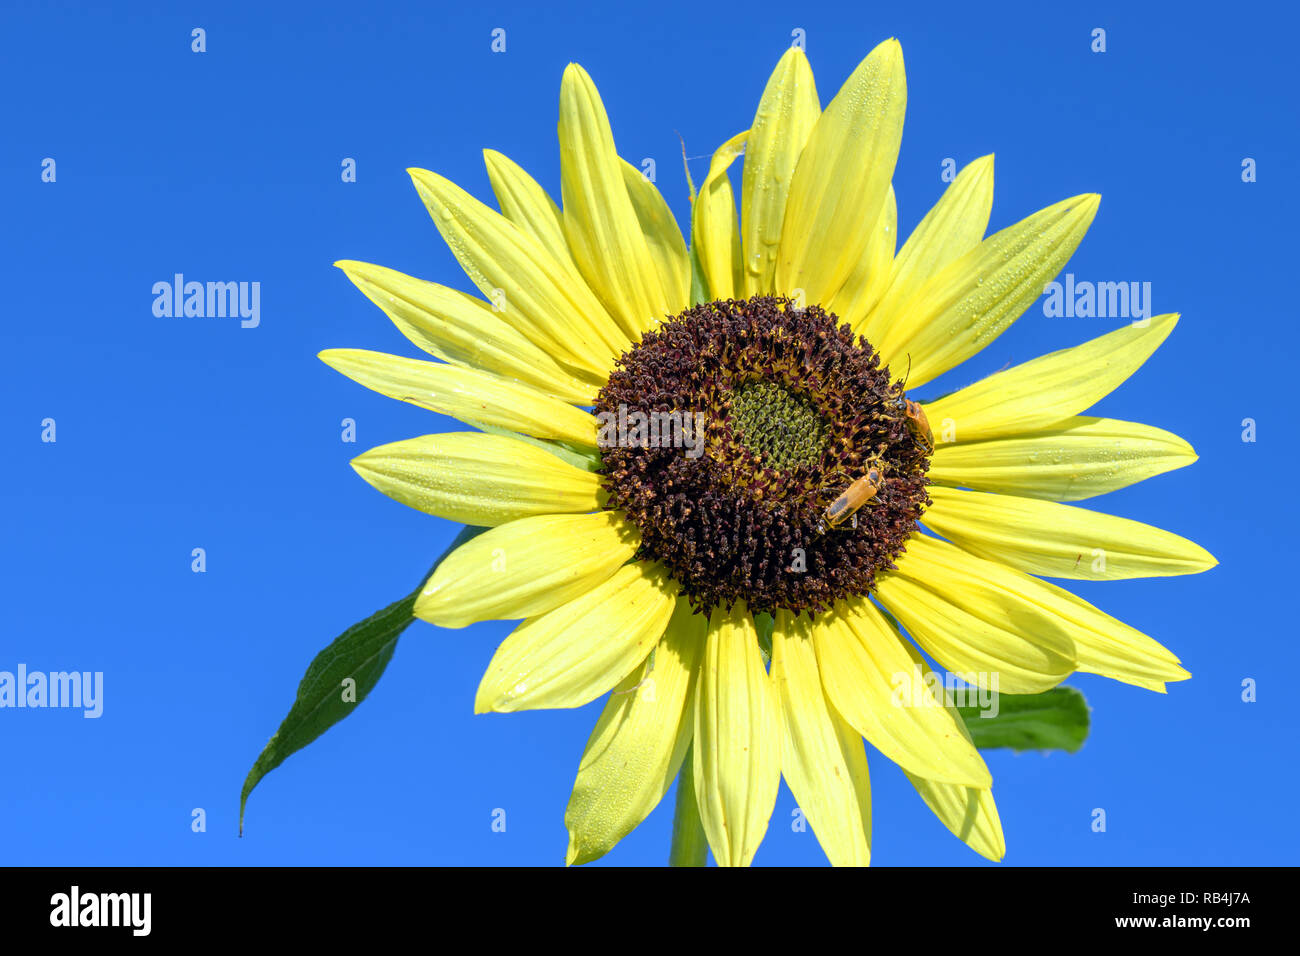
<point x="779" y="426"/>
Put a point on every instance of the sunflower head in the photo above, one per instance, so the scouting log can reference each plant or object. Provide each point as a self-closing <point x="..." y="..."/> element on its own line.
<point x="682" y="439"/>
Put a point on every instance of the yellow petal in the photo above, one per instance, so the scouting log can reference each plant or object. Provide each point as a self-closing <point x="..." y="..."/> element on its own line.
<point x="1059" y="541"/>
<point x="857" y="299"/>
<point x="786" y="114"/>
<point x="525" y="203"/>
<point x="1099" y="643"/>
<point x="667" y="247"/>
<point x="821" y="755"/>
<point x="638" y="744"/>
<point x="573" y="654"/>
<point x="1075" y="459"/>
<point x="715" y="229"/>
<point x="458" y="328"/>
<point x="600" y="222"/>
<point x="842" y="178"/>
<point x="483" y="480"/>
<point x="879" y="683"/>
<point x="1048" y="389"/>
<point x="973" y="301"/>
<point x="534" y="291"/>
<point x="975" y="619"/>
<point x="466" y="394"/>
<point x="1107" y="646"/>
<point x="969" y="813"/>
<point x="953" y="227"/>
<point x="525" y="568"/>
<point x="737" y="748"/>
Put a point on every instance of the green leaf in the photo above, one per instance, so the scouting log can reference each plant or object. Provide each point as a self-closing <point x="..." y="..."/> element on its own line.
<point x="1057" y="719"/>
<point x="361" y="653"/>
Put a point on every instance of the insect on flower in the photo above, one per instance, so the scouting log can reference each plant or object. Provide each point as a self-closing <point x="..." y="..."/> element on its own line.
<point x="918" y="425"/>
<point x="852" y="499"/>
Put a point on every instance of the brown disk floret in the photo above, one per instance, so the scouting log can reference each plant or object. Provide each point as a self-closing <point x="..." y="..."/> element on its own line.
<point x="793" y="411"/>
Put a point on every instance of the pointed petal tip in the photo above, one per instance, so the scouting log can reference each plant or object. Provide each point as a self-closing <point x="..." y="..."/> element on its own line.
<point x="980" y="168"/>
<point x="419" y="179"/>
<point x="574" y="73"/>
<point x="1174" y="673"/>
<point x="571" y="855"/>
<point x="895" y="51"/>
<point x="337" y="359"/>
<point x="361" y="465"/>
<point x="423" y="178"/>
<point x="358" y="273"/>
<point x="888" y="50"/>
<point x="483" y="703"/>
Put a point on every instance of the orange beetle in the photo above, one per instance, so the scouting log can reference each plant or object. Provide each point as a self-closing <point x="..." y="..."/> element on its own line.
<point x="918" y="426"/>
<point x="852" y="499"/>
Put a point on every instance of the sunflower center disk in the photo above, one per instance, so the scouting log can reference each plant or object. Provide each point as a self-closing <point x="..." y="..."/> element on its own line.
<point x="727" y="434"/>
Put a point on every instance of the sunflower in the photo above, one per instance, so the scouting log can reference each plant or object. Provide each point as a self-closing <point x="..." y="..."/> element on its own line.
<point x="704" y="483"/>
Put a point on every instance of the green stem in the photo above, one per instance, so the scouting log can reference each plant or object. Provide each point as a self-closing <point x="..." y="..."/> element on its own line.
<point x="690" y="846"/>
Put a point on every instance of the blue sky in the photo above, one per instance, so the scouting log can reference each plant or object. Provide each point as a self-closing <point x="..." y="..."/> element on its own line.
<point x="182" y="433"/>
